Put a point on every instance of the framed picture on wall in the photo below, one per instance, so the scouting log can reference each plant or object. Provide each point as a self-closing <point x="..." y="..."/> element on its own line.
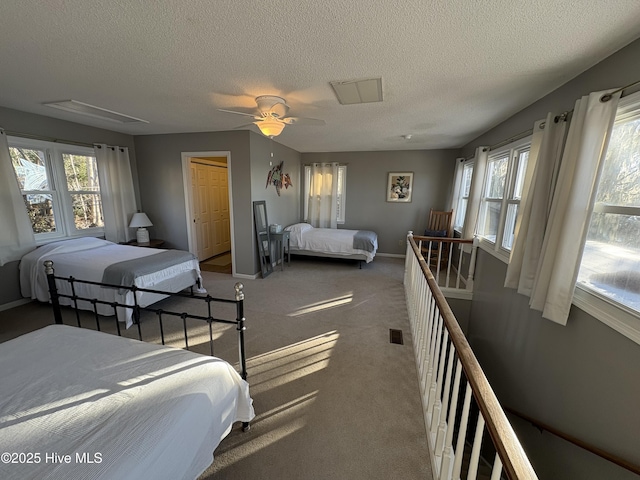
<point x="399" y="187"/>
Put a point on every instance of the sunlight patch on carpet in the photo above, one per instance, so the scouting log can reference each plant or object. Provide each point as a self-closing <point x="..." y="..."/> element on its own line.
<point x="284" y="365"/>
<point x="324" y="305"/>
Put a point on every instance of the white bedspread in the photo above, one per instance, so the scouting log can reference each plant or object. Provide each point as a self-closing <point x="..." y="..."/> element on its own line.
<point x="334" y="241"/>
<point x="86" y="259"/>
<point x="137" y="410"/>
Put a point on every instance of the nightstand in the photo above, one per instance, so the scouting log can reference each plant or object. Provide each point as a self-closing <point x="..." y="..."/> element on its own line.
<point x="282" y="242"/>
<point x="153" y="243"/>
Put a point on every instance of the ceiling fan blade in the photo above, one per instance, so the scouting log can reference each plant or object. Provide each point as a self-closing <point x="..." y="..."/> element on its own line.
<point x="302" y="121"/>
<point x="252" y="115"/>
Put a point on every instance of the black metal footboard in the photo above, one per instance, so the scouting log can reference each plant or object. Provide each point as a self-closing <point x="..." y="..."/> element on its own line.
<point x="161" y="314"/>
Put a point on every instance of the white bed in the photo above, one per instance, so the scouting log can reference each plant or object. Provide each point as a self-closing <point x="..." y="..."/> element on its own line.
<point x="332" y="242"/>
<point x="136" y="410"/>
<point x="87" y="258"/>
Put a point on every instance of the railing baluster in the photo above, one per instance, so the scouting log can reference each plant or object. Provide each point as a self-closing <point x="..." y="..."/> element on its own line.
<point x="475" y="451"/>
<point x="449" y="260"/>
<point x="447" y="457"/>
<point x="459" y="275"/>
<point x="431" y="385"/>
<point x="442" y="426"/>
<point x="497" y="468"/>
<point x="435" y="415"/>
<point x="462" y="433"/>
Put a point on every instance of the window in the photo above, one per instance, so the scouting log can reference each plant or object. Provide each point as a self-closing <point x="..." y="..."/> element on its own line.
<point x="342" y="189"/>
<point x="611" y="258"/>
<point x="60" y="187"/>
<point x="503" y="185"/>
<point x="463" y="199"/>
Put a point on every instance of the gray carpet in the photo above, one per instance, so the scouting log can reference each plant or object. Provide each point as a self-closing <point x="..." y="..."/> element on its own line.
<point x="334" y="399"/>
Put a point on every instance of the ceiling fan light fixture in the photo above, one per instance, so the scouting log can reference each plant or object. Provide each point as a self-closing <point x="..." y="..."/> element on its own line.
<point x="270" y="128"/>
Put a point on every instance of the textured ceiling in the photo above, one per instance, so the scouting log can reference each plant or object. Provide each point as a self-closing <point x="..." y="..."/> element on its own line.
<point x="451" y="69"/>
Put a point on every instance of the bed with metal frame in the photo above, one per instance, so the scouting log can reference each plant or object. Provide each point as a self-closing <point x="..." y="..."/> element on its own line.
<point x="90" y="404"/>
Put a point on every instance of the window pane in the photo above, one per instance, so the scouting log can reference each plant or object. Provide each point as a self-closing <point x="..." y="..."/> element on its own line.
<point x="467" y="173"/>
<point x="462" y="211"/>
<point x="496" y="176"/>
<point x="30" y="168"/>
<point x="489" y="220"/>
<point x="510" y="225"/>
<point x="620" y="178"/>
<point x="611" y="258"/>
<point x="523" y="159"/>
<point x="40" y="210"/>
<point x="87" y="211"/>
<point x="81" y="172"/>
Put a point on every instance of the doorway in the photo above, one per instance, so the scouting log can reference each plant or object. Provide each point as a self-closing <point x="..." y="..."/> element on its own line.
<point x="209" y="209"/>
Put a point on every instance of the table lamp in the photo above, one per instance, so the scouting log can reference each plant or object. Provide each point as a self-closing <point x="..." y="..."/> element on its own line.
<point x="140" y="220"/>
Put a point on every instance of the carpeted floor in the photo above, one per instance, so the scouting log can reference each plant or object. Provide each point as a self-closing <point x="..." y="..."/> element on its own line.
<point x="334" y="399"/>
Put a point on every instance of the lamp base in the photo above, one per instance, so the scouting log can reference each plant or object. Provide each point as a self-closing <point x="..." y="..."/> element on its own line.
<point x="142" y="235"/>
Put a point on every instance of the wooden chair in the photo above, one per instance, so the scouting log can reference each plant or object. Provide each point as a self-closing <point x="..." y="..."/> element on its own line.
<point x="440" y="221"/>
<point x="440" y="225"/>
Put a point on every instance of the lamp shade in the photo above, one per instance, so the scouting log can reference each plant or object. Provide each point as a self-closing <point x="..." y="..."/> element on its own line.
<point x="140" y="220"/>
<point x="270" y="128"/>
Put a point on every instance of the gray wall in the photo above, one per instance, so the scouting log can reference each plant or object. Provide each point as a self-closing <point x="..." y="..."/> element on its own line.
<point x="285" y="208"/>
<point x="28" y="123"/>
<point x="162" y="189"/>
<point x="581" y="378"/>
<point x="366" y="205"/>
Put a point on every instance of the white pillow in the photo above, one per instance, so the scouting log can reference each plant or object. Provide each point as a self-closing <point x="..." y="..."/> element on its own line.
<point x="298" y="227"/>
<point x="296" y="230"/>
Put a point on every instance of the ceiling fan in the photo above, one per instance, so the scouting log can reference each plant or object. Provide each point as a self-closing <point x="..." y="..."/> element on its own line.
<point x="272" y="116"/>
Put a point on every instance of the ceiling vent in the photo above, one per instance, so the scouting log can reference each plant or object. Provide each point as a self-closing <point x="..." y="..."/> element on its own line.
<point x="358" y="91"/>
<point x="81" y="108"/>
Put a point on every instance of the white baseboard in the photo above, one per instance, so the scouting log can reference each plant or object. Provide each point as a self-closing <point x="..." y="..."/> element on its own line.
<point x="245" y="276"/>
<point x="17" y="303"/>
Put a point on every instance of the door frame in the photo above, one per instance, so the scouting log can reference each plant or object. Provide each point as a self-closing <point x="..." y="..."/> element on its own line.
<point x="188" y="198"/>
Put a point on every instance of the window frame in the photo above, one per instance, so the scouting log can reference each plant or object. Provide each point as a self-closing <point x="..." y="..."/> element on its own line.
<point x="618" y="316"/>
<point x="342" y="194"/>
<point x="58" y="189"/>
<point x="512" y="152"/>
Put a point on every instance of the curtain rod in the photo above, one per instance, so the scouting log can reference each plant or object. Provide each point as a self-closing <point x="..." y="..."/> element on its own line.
<point x="564" y="116"/>
<point x="608" y="96"/>
<point x="47" y="139"/>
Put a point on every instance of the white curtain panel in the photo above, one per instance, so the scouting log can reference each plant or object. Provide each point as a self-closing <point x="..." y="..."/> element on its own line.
<point x="16" y="234"/>
<point x="323" y="195"/>
<point x="539" y="183"/>
<point x="457" y="186"/>
<point x="475" y="192"/>
<point x="116" y="187"/>
<point x="572" y="205"/>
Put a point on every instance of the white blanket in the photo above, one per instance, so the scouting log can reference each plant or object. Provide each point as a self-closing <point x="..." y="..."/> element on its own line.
<point x="85" y="259"/>
<point x="134" y="409"/>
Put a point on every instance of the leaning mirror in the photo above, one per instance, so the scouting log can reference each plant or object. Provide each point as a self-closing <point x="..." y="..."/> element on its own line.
<point x="262" y="236"/>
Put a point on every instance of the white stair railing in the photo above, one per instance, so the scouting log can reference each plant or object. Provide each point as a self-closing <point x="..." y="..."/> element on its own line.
<point x="445" y="258"/>
<point x="447" y="370"/>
